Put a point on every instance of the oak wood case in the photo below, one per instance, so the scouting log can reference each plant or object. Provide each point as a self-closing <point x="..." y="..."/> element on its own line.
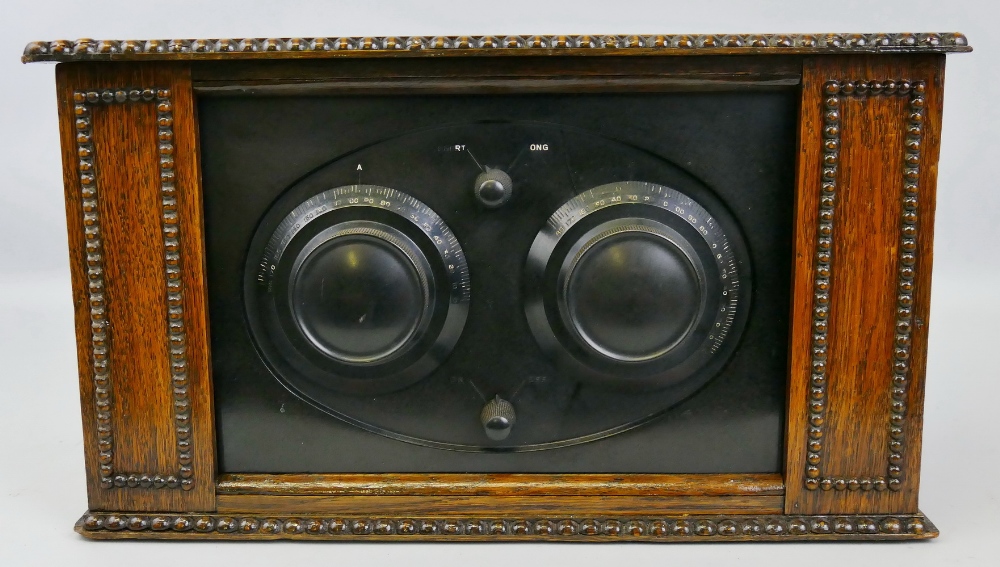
<point x="869" y="133"/>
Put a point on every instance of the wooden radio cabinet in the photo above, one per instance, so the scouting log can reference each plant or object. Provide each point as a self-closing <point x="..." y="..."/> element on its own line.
<point x="554" y="288"/>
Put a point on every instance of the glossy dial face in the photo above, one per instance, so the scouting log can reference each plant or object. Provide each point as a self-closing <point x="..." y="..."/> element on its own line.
<point x="638" y="285"/>
<point x="360" y="292"/>
<point x="632" y="291"/>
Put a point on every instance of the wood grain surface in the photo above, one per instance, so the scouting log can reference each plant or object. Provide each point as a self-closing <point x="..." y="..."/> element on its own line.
<point x="502" y="506"/>
<point x="853" y="443"/>
<point x="500" y="75"/>
<point x="503" y="484"/>
<point x="143" y="352"/>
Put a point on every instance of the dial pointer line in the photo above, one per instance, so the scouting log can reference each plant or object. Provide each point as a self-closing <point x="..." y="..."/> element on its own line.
<point x="473" y="384"/>
<point x="518" y="389"/>
<point x="481" y="168"/>
<point x="516" y="159"/>
<point x="566" y="161"/>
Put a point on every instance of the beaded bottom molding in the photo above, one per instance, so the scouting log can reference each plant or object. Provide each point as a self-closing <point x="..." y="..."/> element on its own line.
<point x="107" y="525"/>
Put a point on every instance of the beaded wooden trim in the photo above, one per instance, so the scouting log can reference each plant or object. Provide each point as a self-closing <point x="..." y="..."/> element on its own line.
<point x="283" y="48"/>
<point x="835" y="91"/>
<point x="84" y="101"/>
<point x="104" y="525"/>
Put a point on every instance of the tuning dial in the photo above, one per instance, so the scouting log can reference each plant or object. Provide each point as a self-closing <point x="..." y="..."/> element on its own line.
<point x="359" y="289"/>
<point x="637" y="285"/>
<point x="498" y="418"/>
<point x="493" y="188"/>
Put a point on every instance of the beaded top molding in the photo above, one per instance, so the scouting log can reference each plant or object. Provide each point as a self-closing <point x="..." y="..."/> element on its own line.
<point x="324" y="47"/>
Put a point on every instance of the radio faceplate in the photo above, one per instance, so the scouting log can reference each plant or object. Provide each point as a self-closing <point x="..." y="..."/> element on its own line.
<point x="729" y="155"/>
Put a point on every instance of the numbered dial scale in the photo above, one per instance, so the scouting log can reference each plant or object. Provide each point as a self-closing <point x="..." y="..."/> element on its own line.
<point x="638" y="286"/>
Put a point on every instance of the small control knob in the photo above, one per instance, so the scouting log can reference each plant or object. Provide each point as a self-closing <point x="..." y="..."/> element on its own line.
<point x="493" y="188"/>
<point x="498" y="418"/>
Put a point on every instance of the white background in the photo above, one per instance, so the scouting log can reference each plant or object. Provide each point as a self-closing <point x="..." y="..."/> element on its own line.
<point x="41" y="458"/>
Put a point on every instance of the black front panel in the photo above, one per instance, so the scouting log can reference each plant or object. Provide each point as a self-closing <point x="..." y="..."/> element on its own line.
<point x="522" y="362"/>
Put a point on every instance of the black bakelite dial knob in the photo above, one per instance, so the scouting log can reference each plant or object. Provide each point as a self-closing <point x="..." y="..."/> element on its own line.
<point x="360" y="291"/>
<point x="632" y="291"/>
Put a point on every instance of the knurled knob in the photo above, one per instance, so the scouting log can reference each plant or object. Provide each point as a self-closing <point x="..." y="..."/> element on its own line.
<point x="493" y="188"/>
<point x="498" y="418"/>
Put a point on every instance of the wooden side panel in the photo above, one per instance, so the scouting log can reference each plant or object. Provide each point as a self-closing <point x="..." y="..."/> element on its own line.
<point x="869" y="139"/>
<point x="133" y="204"/>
